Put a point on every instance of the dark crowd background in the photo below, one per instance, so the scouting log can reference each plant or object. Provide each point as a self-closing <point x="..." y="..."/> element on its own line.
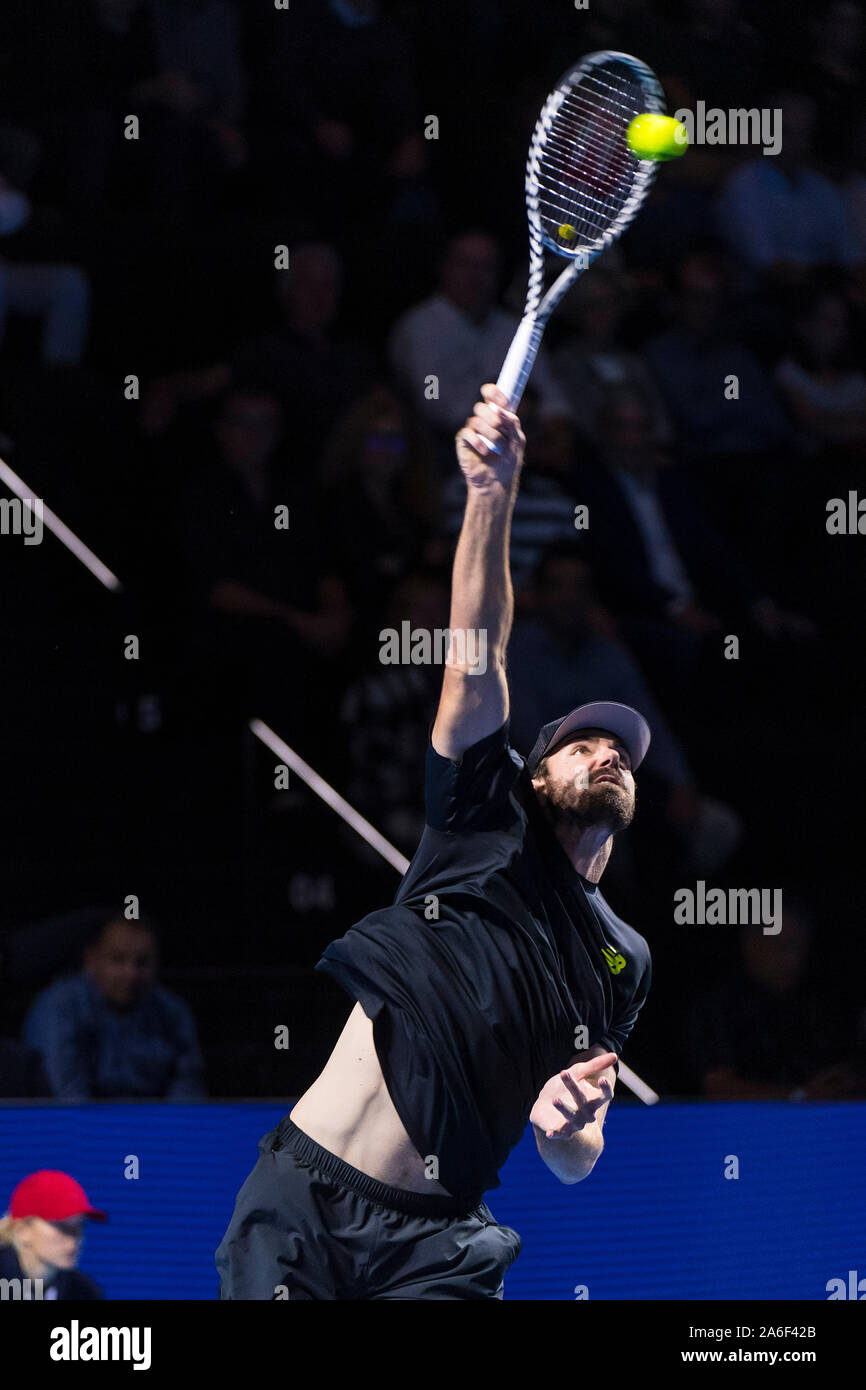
<point x="304" y="387"/>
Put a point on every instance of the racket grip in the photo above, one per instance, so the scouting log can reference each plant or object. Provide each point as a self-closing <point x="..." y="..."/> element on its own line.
<point x="520" y="360"/>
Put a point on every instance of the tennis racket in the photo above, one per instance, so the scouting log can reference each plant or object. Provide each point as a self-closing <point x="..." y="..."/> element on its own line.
<point x="583" y="187"/>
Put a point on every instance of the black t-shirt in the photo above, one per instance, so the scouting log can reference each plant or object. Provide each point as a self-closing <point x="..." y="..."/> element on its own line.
<point x="494" y="951"/>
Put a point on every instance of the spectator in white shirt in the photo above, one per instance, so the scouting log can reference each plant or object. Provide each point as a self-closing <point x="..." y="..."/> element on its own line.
<point x="460" y="337"/>
<point x="592" y="359"/>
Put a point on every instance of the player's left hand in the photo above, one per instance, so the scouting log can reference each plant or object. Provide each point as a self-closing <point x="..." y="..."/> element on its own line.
<point x="570" y="1099"/>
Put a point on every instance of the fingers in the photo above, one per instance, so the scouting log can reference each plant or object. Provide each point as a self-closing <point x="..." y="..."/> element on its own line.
<point x="486" y="416"/>
<point x="571" y="1085"/>
<point x="591" y="1067"/>
<point x="492" y="428"/>
<point x="581" y="1089"/>
<point x="586" y="1105"/>
<point x="494" y="422"/>
<point x="472" y="441"/>
<point x="484" y="424"/>
<point x="493" y="393"/>
<point x="588" y="1099"/>
<point x="573" y="1121"/>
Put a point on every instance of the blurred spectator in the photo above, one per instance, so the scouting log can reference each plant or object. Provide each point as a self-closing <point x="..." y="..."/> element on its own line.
<point x="568" y="635"/>
<point x="190" y="105"/>
<point x="459" y="337"/>
<point x="549" y="490"/>
<point x="57" y="294"/>
<point x="269" y="604"/>
<point x="22" y="1075"/>
<point x="111" y="1032"/>
<point x="833" y="74"/>
<point x="659" y="561"/>
<point x="42" y="1232"/>
<point x="175" y="64"/>
<point x="766" y="1032"/>
<point x="825" y="387"/>
<point x="196" y="43"/>
<point x="592" y="359"/>
<point x="714" y="50"/>
<point x="88" y="68"/>
<point x="694" y="357"/>
<point x="730" y="427"/>
<point x="779" y="215"/>
<point x="853" y="182"/>
<point x="333" y="107"/>
<point x="678" y="216"/>
<point x="388" y="711"/>
<point x="379" y="496"/>
<point x="312" y="370"/>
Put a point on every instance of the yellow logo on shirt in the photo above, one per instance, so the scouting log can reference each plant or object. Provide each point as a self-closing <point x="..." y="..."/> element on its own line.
<point x="615" y="962"/>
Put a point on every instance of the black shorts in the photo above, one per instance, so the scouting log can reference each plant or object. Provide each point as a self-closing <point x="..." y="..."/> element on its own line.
<point x="306" y="1225"/>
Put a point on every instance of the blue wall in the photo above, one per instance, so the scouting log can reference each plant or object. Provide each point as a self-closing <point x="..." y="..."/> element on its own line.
<point x="656" y="1219"/>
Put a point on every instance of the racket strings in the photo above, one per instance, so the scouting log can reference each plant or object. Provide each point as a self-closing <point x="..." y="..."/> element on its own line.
<point x="587" y="185"/>
<point x="585" y="173"/>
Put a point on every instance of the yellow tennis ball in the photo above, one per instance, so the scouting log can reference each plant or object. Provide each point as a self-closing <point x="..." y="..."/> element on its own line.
<point x="653" y="136"/>
<point x="566" y="231"/>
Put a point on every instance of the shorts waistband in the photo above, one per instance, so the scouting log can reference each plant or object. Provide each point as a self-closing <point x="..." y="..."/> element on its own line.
<point x="398" y="1198"/>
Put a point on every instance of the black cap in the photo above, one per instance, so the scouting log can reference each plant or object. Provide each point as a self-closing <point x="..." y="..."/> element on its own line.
<point x="618" y="719"/>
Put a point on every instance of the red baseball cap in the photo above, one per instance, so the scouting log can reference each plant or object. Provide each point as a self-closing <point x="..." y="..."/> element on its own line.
<point x="52" y="1195"/>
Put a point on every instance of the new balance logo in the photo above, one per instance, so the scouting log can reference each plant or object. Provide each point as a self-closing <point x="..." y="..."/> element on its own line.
<point x="615" y="962"/>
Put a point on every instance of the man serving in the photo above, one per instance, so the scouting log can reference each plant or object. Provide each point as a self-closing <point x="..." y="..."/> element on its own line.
<point x="499" y="987"/>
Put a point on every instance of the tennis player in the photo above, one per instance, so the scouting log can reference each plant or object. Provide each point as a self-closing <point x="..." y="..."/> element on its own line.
<point x="498" y="988"/>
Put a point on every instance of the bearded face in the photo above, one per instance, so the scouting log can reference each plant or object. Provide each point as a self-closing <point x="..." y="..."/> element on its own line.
<point x="587" y="782"/>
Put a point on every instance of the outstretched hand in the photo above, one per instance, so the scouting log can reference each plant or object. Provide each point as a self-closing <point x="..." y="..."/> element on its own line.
<point x="491" y="423"/>
<point x="570" y="1099"/>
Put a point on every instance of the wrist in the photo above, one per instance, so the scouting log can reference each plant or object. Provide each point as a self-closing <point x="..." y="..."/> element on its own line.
<point x="492" y="491"/>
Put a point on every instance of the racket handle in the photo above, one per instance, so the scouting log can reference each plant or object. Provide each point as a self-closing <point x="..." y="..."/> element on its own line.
<point x="520" y="360"/>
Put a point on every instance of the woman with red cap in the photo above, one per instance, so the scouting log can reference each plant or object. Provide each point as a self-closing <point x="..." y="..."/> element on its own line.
<point x="40" y="1238"/>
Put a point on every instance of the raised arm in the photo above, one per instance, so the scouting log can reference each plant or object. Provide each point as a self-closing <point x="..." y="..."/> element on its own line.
<point x="474" y="700"/>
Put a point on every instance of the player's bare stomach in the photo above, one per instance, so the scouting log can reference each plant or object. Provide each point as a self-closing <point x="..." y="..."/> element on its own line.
<point x="349" y="1112"/>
